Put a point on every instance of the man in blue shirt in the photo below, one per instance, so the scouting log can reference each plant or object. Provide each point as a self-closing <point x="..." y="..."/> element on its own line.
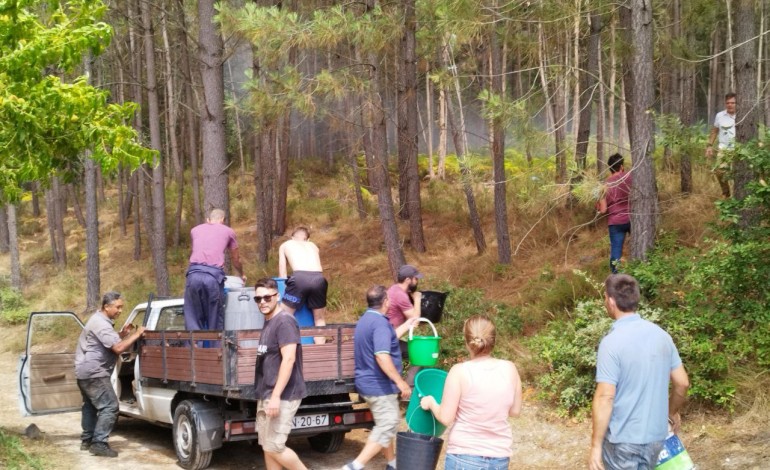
<point x="378" y="376"/>
<point x="631" y="406"/>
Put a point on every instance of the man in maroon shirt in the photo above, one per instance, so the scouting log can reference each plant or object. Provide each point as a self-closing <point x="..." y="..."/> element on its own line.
<point x="204" y="297"/>
<point x="405" y="301"/>
<point x="615" y="204"/>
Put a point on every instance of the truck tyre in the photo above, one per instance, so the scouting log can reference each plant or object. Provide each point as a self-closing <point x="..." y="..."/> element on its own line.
<point x="327" y="442"/>
<point x="185" y="434"/>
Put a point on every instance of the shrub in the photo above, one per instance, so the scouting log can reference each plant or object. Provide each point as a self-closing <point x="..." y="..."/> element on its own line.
<point x="462" y="303"/>
<point x="13" y="308"/>
<point x="568" y="349"/>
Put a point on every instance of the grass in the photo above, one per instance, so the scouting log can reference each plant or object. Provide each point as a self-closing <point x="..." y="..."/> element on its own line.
<point x="14" y="455"/>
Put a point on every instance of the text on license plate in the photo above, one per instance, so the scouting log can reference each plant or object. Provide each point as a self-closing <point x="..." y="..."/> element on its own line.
<point x="310" y="421"/>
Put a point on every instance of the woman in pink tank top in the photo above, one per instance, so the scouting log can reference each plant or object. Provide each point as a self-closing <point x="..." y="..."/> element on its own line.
<point x="479" y="396"/>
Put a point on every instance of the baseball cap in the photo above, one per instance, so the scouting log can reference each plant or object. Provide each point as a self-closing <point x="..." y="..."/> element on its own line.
<point x="408" y="270"/>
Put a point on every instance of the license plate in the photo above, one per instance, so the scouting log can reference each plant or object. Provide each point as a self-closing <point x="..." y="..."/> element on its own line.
<point x="310" y="421"/>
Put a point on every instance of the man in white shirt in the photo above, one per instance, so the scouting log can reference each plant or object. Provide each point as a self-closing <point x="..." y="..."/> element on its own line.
<point x="724" y="131"/>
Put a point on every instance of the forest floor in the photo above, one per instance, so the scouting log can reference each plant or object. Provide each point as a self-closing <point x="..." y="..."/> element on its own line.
<point x="546" y="247"/>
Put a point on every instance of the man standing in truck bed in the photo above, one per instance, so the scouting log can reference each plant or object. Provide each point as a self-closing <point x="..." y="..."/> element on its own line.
<point x="278" y="378"/>
<point x="204" y="299"/>
<point x="307" y="282"/>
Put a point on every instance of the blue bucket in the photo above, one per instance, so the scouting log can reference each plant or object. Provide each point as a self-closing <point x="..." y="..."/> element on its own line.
<point x="303" y="314"/>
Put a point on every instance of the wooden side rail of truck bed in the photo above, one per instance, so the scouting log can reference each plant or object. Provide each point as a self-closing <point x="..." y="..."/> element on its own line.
<point x="222" y="363"/>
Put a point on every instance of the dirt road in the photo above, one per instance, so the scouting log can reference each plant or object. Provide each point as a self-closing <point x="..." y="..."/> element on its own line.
<point x="539" y="443"/>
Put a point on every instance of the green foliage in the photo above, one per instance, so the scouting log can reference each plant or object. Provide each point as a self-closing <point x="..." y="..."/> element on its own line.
<point x="568" y="348"/>
<point x="13" y="308"/>
<point x="461" y="304"/>
<point x="13" y="456"/>
<point x="716" y="296"/>
<point x="48" y="122"/>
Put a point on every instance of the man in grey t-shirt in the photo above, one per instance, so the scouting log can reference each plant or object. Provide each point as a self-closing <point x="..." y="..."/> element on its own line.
<point x="98" y="347"/>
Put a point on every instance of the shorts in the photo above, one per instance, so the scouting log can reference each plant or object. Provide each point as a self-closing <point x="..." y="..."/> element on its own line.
<point x="620" y="456"/>
<point x="386" y="418"/>
<point x="273" y="432"/>
<point x="306" y="287"/>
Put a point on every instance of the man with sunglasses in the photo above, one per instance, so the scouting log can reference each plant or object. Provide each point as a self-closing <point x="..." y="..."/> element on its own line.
<point x="204" y="295"/>
<point x="278" y="379"/>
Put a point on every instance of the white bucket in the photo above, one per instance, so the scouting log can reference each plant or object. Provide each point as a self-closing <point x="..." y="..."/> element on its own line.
<point x="233" y="282"/>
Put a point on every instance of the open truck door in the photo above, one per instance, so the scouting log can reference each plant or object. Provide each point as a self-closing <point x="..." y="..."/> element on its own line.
<point x="47" y="382"/>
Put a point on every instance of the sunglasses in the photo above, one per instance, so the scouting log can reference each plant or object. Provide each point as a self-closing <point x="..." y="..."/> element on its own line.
<point x="267" y="298"/>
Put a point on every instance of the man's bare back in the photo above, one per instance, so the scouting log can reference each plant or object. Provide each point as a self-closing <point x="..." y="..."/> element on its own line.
<point x="302" y="255"/>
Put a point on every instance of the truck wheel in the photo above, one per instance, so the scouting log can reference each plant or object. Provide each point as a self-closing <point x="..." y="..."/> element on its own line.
<point x="186" y="439"/>
<point x="327" y="442"/>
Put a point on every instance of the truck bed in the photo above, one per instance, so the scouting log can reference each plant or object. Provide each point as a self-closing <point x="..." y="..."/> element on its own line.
<point x="222" y="363"/>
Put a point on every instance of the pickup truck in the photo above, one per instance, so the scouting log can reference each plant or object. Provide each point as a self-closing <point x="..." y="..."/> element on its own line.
<point x="199" y="383"/>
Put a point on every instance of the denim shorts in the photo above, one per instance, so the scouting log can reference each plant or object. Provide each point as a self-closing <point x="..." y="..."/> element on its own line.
<point x="475" y="462"/>
<point x="622" y="456"/>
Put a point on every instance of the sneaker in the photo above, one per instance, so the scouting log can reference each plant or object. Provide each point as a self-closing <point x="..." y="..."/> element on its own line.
<point x="389" y="467"/>
<point x="85" y="445"/>
<point x="102" y="449"/>
<point x="348" y="466"/>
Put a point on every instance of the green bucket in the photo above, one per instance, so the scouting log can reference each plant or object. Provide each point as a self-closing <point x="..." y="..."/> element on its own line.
<point x="423" y="350"/>
<point x="426" y="382"/>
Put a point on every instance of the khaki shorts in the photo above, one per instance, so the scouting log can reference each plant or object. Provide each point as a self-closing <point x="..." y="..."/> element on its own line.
<point x="386" y="418"/>
<point x="273" y="432"/>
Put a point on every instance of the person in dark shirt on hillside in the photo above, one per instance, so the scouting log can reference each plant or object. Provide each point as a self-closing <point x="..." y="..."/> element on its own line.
<point x="615" y="205"/>
<point x="278" y="378"/>
<point x="204" y="294"/>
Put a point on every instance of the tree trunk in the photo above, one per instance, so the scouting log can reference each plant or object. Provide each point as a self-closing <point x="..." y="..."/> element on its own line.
<point x="442" y="133"/>
<point x="4" y="243"/>
<point x="498" y="150"/>
<point x="644" y="197"/>
<point x="157" y="235"/>
<point x="56" y="222"/>
<point x="747" y="115"/>
<point x="409" y="176"/>
<point x="601" y="114"/>
<point x="171" y="125"/>
<point x="35" y="190"/>
<point x="13" y="245"/>
<point x="261" y="218"/>
<point x="93" y="273"/>
<point x="688" y="120"/>
<point x="587" y="90"/>
<point x="282" y="188"/>
<point x="190" y="118"/>
<point x="51" y="212"/>
<point x="137" y="178"/>
<point x="212" y="112"/>
<point x="74" y="194"/>
<point x="457" y="126"/>
<point x="429" y="122"/>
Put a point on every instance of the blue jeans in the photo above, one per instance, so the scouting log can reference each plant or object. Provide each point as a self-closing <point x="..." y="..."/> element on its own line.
<point x="630" y="456"/>
<point x="475" y="462"/>
<point x="100" y="409"/>
<point x="617" y="238"/>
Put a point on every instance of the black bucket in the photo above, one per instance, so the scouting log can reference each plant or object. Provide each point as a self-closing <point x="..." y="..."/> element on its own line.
<point x="432" y="305"/>
<point x="417" y="451"/>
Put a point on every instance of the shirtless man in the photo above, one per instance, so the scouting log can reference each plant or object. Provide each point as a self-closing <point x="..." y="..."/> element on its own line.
<point x="307" y="283"/>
